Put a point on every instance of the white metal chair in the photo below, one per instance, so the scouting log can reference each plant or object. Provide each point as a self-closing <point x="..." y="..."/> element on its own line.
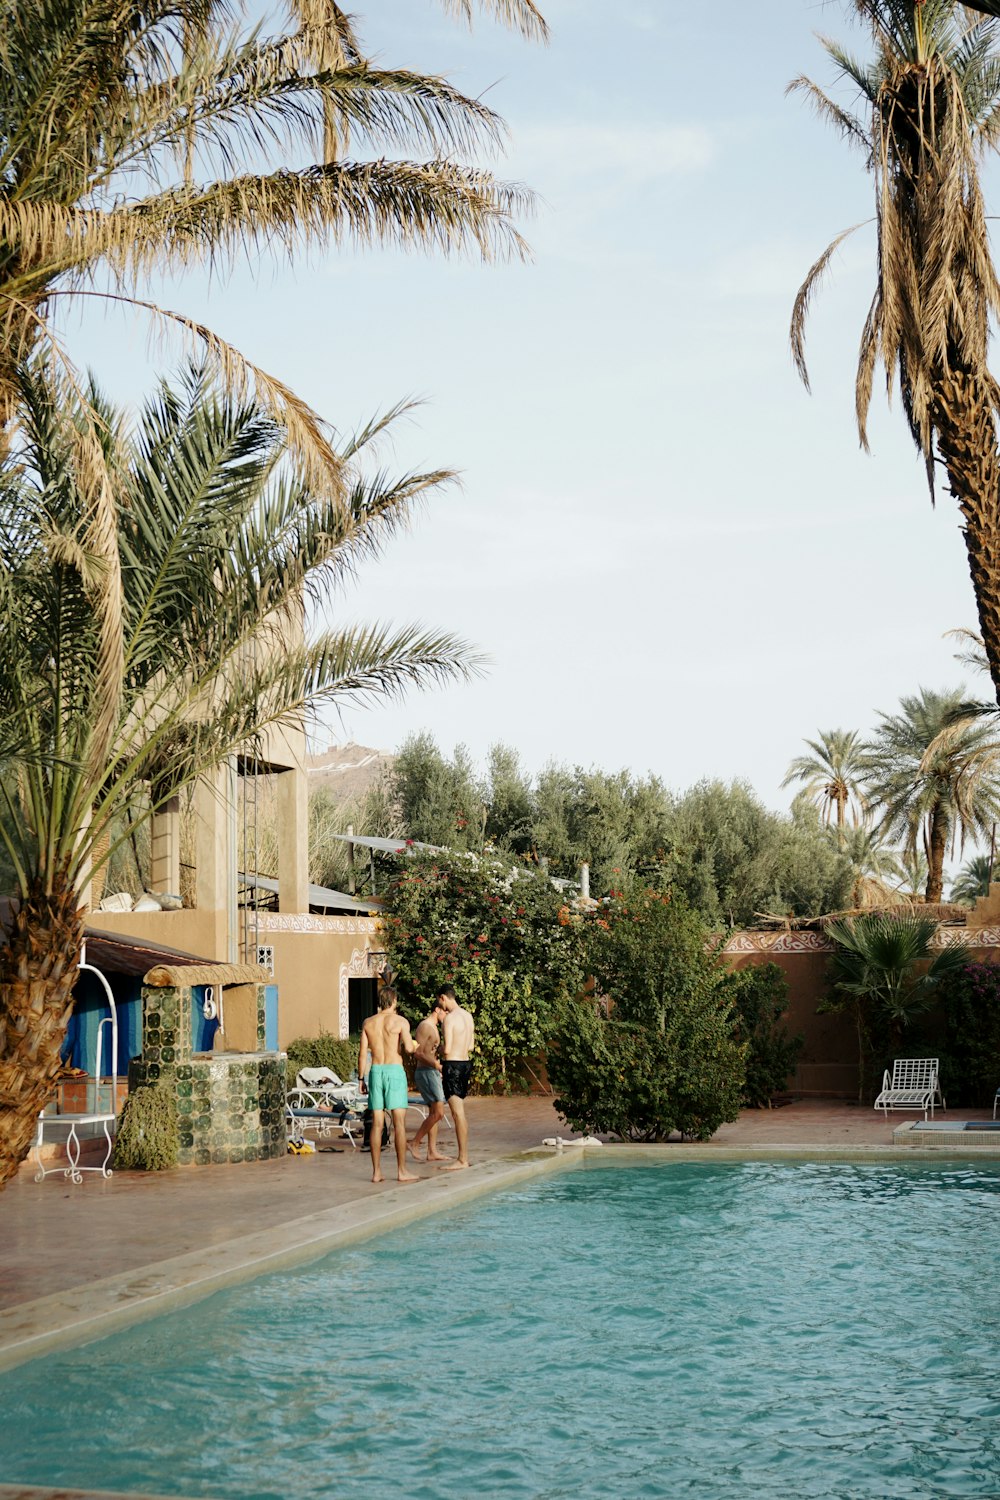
<point x="996" y="1101"/>
<point x="913" y="1084"/>
<point x="103" y="1110"/>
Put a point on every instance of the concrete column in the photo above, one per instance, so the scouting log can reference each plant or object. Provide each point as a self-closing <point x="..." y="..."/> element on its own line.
<point x="292" y="817"/>
<point x="215" y="874"/>
<point x="165" y="850"/>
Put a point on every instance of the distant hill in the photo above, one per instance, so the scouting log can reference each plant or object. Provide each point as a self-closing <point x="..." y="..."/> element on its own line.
<point x="347" y="770"/>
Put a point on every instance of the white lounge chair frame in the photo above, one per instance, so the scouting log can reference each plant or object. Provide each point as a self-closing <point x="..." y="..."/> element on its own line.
<point x="326" y="1102"/>
<point x="912" y="1085"/>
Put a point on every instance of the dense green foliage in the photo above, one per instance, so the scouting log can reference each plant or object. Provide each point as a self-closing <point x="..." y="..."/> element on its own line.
<point x="340" y="1054"/>
<point x="884" y="974"/>
<point x="147" y="1138"/>
<point x="732" y="858"/>
<point x="496" y="930"/>
<point x="511" y="1025"/>
<point x="668" y="1059"/>
<point x="760" y="999"/>
<point x="973" y="880"/>
<point x="717" y="844"/>
<point x="614" y="1078"/>
<point x="970" y="1064"/>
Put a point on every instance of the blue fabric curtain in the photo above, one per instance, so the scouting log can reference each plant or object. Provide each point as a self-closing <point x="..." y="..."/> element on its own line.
<point x="80" y="1047"/>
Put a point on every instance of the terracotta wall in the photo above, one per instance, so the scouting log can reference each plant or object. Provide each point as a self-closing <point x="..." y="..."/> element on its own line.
<point x="828" y="1062"/>
<point x="202" y="933"/>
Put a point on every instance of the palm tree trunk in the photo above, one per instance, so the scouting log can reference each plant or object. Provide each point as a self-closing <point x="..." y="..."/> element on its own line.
<point x="967" y="440"/>
<point x="937" y="843"/>
<point x="38" y="970"/>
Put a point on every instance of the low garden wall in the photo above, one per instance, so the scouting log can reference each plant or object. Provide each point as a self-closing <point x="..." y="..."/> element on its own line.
<point x="828" y="1063"/>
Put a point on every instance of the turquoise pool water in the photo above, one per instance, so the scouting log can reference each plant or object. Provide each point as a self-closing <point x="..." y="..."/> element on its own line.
<point x="728" y="1330"/>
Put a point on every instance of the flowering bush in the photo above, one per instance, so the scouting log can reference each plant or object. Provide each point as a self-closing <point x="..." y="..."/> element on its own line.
<point x="666" y="1058"/>
<point x="491" y="929"/>
<point x="970" y="1061"/>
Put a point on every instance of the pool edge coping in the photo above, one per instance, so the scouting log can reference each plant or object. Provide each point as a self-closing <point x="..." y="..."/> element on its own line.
<point x="82" y="1313"/>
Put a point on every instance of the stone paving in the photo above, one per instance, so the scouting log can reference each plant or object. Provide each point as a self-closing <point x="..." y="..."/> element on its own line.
<point x="56" y="1237"/>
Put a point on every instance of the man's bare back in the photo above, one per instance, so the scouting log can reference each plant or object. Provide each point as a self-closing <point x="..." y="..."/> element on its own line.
<point x="456" y="1072"/>
<point x="383" y="1033"/>
<point x="459" y="1035"/>
<point x="428" y="1041"/>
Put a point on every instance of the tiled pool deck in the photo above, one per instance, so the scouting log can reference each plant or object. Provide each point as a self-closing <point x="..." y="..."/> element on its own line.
<point x="78" y="1261"/>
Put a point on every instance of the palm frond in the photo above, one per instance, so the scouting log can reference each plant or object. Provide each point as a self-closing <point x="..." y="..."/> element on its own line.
<point x="521" y="15"/>
<point x="803" y="298"/>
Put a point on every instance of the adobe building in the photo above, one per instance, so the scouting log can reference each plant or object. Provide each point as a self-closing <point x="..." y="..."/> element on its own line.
<point x="323" y="947"/>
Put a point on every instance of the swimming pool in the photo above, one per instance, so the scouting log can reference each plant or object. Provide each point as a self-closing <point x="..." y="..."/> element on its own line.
<point x="733" y="1329"/>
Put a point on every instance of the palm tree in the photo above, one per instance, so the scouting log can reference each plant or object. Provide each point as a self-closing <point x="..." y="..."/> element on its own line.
<point x="114" y="118"/>
<point x="934" y="778"/>
<point x="913" y="874"/>
<point x="875" y="868"/>
<point x="932" y="90"/>
<point x="152" y="630"/>
<point x="973" y="653"/>
<point x="875" y="969"/>
<point x="973" y="880"/>
<point x="832" y="775"/>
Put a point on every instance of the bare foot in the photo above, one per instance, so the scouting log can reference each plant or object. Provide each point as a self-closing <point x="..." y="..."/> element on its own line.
<point x="414" y="1154"/>
<point x="407" y="1177"/>
<point x="437" y="1157"/>
<point x="455" y="1166"/>
<point x="379" y="1178"/>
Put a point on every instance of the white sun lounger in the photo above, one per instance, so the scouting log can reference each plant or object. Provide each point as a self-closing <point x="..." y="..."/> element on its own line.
<point x="912" y="1085"/>
<point x="326" y="1102"/>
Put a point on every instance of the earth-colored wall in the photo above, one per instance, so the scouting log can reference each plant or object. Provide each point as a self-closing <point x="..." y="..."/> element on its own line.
<point x="828" y="1064"/>
<point x="202" y="933"/>
<point x="314" y="957"/>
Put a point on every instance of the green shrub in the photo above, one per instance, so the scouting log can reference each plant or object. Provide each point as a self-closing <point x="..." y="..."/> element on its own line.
<point x="760" y="998"/>
<point x="970" y="1058"/>
<point x="340" y="1054"/>
<point x="147" y="1139"/>
<point x="446" y="913"/>
<point x="509" y="1024"/>
<point x="639" y="1084"/>
<point x="669" y="1059"/>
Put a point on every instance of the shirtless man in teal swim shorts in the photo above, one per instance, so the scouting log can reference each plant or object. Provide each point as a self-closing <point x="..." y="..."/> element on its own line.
<point x="382" y="1035"/>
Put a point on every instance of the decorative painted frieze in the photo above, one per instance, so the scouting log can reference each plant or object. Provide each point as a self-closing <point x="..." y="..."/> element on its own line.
<point x="274" y="921"/>
<point x="818" y="942"/>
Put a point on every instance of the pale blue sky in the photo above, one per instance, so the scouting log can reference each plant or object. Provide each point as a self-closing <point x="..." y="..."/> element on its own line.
<point x="678" y="561"/>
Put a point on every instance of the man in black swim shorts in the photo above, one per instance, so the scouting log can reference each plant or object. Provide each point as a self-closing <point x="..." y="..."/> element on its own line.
<point x="456" y="1068"/>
